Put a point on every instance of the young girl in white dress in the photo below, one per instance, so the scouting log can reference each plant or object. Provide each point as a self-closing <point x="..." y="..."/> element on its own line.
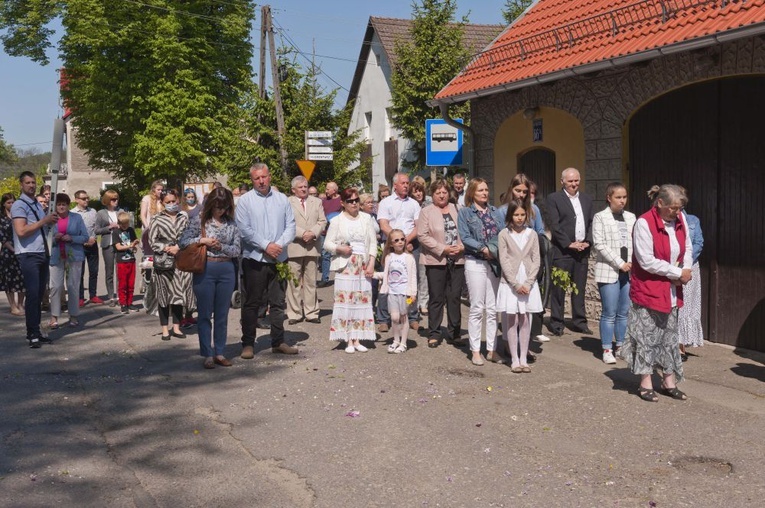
<point x="399" y="282"/>
<point x="518" y="294"/>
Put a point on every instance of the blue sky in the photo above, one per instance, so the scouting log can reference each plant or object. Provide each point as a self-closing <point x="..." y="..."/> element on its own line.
<point x="29" y="93"/>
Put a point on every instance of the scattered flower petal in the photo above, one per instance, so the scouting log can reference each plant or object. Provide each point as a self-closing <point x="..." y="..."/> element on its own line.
<point x="488" y="388"/>
<point x="353" y="414"/>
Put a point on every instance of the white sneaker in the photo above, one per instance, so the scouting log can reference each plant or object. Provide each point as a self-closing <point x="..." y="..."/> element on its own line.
<point x="350" y="349"/>
<point x="608" y="357"/>
<point x="543" y="338"/>
<point x="392" y="347"/>
<point x="361" y="349"/>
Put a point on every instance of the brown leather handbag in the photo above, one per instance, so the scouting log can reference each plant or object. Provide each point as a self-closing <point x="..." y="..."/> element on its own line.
<point x="193" y="258"/>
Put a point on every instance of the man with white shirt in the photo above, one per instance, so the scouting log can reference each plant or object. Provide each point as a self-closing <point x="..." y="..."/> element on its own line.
<point x="399" y="211"/>
<point x="570" y="214"/>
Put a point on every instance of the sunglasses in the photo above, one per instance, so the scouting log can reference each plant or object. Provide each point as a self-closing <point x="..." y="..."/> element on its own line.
<point x="398" y="240"/>
<point x="352" y="201"/>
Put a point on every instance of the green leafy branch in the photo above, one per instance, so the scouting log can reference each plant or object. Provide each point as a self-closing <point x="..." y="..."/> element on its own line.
<point x="284" y="273"/>
<point x="562" y="279"/>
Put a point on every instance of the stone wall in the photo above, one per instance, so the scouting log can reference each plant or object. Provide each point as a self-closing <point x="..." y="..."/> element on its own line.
<point x="603" y="102"/>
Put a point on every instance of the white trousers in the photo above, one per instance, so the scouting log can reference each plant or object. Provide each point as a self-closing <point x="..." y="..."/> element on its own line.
<point x="57" y="274"/>
<point x="482" y="285"/>
<point x="422" y="288"/>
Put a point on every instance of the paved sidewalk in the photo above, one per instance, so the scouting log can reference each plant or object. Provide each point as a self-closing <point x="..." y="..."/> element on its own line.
<point x="110" y="415"/>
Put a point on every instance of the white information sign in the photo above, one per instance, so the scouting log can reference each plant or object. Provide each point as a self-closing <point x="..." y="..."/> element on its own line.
<point x="318" y="145"/>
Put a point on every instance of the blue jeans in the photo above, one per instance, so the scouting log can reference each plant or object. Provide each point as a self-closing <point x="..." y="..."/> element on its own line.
<point x="91" y="257"/>
<point x="615" y="298"/>
<point x="326" y="259"/>
<point x="35" y="269"/>
<point x="213" y="290"/>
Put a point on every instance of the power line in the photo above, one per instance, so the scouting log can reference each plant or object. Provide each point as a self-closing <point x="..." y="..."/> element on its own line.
<point x="283" y="33"/>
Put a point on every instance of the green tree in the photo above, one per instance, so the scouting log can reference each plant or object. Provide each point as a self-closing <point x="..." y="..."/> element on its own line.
<point x="7" y="152"/>
<point x="153" y="85"/>
<point x="514" y="8"/>
<point x="424" y="65"/>
<point x="307" y="106"/>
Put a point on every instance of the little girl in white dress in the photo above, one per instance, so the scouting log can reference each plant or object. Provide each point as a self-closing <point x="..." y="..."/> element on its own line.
<point x="518" y="294"/>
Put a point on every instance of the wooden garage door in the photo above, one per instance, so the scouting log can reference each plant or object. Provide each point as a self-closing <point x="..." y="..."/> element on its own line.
<point x="708" y="138"/>
<point x="539" y="165"/>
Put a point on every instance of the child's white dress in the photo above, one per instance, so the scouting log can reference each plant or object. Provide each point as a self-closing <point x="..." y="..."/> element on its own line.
<point x="507" y="299"/>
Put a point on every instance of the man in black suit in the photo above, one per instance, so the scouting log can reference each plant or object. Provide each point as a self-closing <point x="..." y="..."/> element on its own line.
<point x="570" y="214"/>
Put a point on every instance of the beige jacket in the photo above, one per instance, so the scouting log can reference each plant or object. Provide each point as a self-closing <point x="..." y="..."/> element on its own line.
<point x="312" y="219"/>
<point x="431" y="234"/>
<point x="510" y="258"/>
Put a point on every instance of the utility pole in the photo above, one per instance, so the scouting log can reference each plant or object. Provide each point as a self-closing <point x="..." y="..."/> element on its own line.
<point x="268" y="29"/>
<point x="263" y="31"/>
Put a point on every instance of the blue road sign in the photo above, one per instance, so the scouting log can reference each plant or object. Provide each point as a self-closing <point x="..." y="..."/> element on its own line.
<point x="443" y="143"/>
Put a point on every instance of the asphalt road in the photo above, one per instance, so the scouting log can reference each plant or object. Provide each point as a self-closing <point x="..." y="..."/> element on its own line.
<point x="110" y="415"/>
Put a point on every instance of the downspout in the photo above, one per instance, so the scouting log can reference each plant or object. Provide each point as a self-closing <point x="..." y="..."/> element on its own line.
<point x="444" y="108"/>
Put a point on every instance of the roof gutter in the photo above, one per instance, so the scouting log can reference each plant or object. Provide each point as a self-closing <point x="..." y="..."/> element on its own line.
<point x="619" y="61"/>
<point x="444" y="108"/>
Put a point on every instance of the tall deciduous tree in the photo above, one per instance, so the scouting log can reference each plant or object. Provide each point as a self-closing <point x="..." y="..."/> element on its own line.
<point x="424" y="64"/>
<point x="7" y="152"/>
<point x="153" y="84"/>
<point x="514" y="8"/>
<point x="307" y="106"/>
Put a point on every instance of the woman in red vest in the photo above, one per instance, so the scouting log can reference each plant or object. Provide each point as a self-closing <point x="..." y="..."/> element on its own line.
<point x="661" y="265"/>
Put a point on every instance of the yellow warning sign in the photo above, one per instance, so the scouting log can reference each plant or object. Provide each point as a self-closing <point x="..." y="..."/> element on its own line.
<point x="306" y="167"/>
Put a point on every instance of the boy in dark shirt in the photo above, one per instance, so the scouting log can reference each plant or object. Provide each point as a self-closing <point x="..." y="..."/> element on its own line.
<point x="125" y="243"/>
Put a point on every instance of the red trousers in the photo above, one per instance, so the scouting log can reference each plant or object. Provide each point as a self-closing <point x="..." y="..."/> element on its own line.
<point x="125" y="283"/>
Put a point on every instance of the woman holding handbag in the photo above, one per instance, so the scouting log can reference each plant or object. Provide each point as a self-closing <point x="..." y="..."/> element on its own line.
<point x="170" y="286"/>
<point x="215" y="228"/>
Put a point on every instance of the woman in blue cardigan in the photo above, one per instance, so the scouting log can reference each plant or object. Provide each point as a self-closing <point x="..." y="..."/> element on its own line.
<point x="66" y="257"/>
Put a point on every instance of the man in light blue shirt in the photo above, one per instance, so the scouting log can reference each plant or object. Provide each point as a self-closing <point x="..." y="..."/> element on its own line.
<point x="30" y="224"/>
<point x="267" y="225"/>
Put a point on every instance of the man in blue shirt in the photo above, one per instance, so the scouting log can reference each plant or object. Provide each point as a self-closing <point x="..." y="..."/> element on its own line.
<point x="267" y="226"/>
<point x="30" y="224"/>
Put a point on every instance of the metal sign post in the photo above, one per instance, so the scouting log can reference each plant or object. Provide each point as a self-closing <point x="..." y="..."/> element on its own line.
<point x="55" y="166"/>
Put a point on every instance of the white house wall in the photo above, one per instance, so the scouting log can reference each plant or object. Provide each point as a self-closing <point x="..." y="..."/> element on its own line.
<point x="374" y="96"/>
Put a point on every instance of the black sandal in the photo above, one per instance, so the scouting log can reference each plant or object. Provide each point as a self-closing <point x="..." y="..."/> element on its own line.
<point x="433" y="343"/>
<point x="673" y="392"/>
<point x="648" y="395"/>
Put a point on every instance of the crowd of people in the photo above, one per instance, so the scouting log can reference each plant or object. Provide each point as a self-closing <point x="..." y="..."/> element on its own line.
<point x="418" y="251"/>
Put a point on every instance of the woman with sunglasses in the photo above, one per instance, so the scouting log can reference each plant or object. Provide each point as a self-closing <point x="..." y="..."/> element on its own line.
<point x="351" y="240"/>
<point x="216" y="228"/>
<point x="106" y="222"/>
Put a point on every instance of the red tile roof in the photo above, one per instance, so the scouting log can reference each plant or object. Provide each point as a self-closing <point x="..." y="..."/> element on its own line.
<point x="560" y="38"/>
